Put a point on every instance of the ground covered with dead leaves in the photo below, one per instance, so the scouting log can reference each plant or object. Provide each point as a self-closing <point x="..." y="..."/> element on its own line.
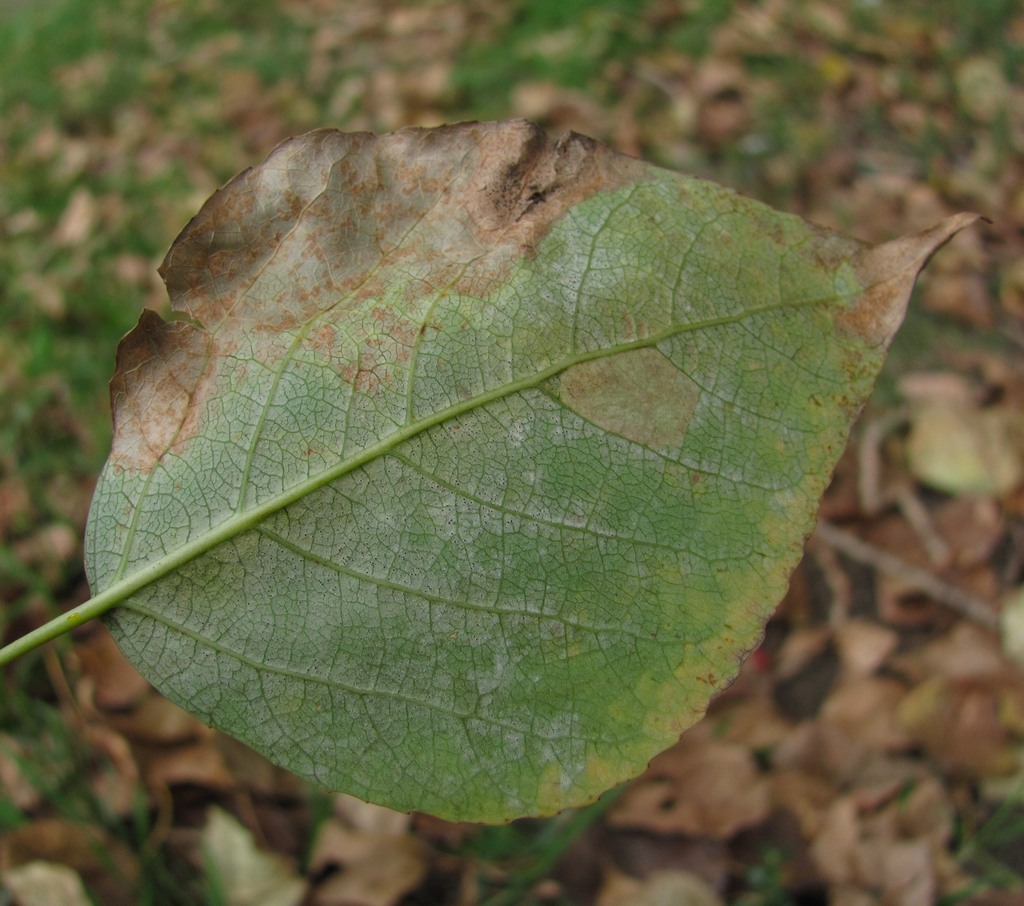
<point x="871" y="751"/>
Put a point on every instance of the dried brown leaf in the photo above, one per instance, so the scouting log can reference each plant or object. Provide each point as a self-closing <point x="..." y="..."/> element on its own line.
<point x="109" y="868"/>
<point x="199" y="764"/>
<point x="864" y="710"/>
<point x="78" y="219"/>
<point x="246" y="875"/>
<point x="158" y="721"/>
<point x="902" y="870"/>
<point x="702" y="788"/>
<point x="965" y="651"/>
<point x="661" y="888"/>
<point x="835" y="848"/>
<point x="807" y="796"/>
<point x="965" y="450"/>
<point x="377" y="869"/>
<point x="44" y="884"/>
<point x="117" y="685"/>
<point x="17" y="788"/>
<point x="821" y="749"/>
<point x="863" y="646"/>
<point x="957" y="721"/>
<point x="753" y="722"/>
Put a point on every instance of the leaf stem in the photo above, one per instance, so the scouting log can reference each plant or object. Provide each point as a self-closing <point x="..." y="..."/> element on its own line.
<point x="123" y="588"/>
<point x="977" y="609"/>
<point x="56" y="627"/>
<point x="99" y="603"/>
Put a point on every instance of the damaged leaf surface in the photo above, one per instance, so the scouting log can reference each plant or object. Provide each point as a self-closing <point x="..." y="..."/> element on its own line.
<point x="476" y="462"/>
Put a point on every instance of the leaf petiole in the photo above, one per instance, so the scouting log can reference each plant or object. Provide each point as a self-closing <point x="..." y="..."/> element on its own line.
<point x="58" y="626"/>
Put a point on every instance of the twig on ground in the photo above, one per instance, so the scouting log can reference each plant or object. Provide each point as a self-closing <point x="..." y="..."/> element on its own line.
<point x="1013" y="331"/>
<point x="964" y="603"/>
<point x="1012" y="569"/>
<point x="873" y="496"/>
<point x="920" y="520"/>
<point x="836" y="578"/>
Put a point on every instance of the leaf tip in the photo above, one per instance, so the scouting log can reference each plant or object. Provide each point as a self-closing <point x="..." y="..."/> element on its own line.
<point x="888" y="273"/>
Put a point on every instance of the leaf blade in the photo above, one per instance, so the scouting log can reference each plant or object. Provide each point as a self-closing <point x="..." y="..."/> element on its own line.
<point x="429" y="545"/>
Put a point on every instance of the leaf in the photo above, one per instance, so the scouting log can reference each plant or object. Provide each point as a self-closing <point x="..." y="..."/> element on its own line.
<point x="709" y="790"/>
<point x="41" y="883"/>
<point x="668" y="887"/>
<point x="377" y="868"/>
<point x="241" y="872"/>
<point x="1011" y="625"/>
<point x="473" y="464"/>
<point x="961" y="449"/>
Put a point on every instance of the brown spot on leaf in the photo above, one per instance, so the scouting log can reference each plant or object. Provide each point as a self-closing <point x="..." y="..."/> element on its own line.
<point x="331" y="215"/>
<point x="323" y="339"/>
<point x="331" y="219"/>
<point x="160" y="366"/>
<point x="639" y="395"/>
<point x="401" y="333"/>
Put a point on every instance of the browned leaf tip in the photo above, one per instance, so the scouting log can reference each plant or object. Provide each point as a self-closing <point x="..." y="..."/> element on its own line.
<point x="888" y="271"/>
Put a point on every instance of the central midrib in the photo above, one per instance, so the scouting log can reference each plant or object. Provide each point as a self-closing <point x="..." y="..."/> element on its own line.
<point x="235" y="525"/>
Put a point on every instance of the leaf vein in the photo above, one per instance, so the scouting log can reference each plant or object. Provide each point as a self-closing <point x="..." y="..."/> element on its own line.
<point x="530" y="517"/>
<point x="261" y="667"/>
<point x="327" y="563"/>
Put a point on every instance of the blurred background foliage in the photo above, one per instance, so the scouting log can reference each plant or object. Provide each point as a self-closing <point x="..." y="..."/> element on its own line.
<point x="118" y="118"/>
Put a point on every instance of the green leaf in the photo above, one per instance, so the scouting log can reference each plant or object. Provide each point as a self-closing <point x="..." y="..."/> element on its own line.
<point x="474" y="463"/>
